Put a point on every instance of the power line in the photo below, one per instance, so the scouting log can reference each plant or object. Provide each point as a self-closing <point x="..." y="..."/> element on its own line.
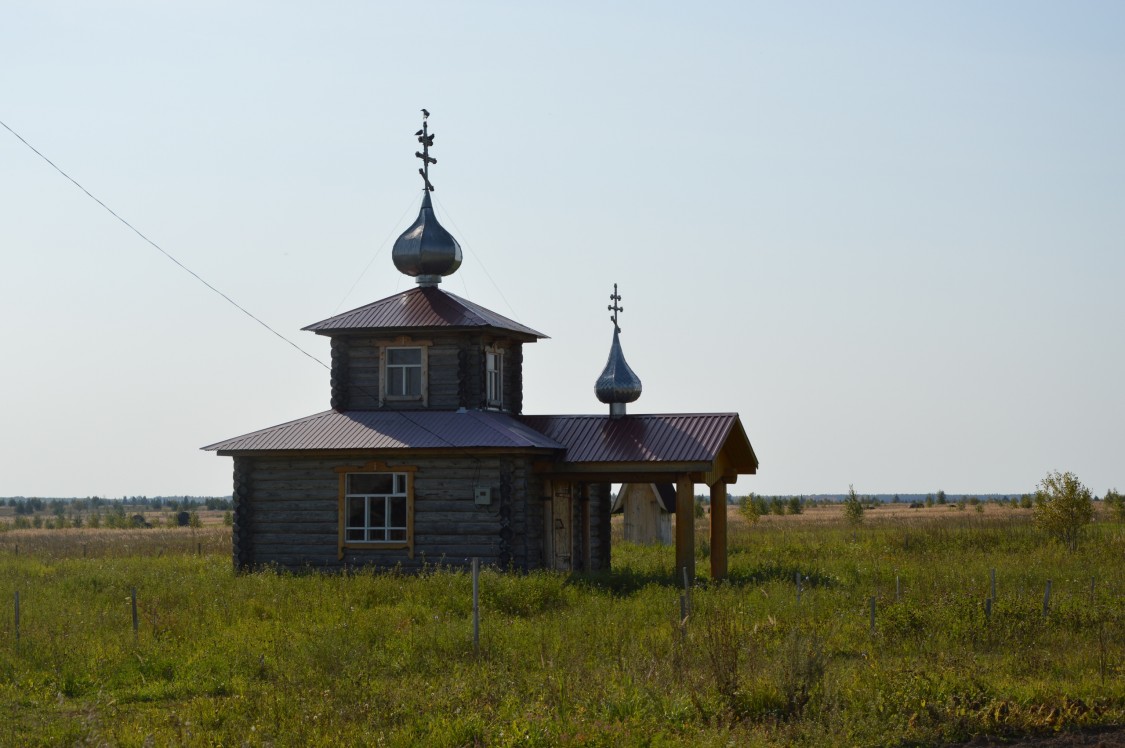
<point x="160" y="249"/>
<point x="479" y="259"/>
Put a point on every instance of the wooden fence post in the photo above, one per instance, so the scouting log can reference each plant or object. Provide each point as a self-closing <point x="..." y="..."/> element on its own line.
<point x="133" y="597"/>
<point x="1047" y="599"/>
<point x="988" y="610"/>
<point x="873" y="615"/>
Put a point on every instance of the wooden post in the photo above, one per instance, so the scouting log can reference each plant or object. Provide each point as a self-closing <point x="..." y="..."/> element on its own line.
<point x="992" y="583"/>
<point x="718" y="530"/>
<point x="1047" y="599"/>
<point x="988" y="609"/>
<point x="476" y="605"/>
<point x="873" y="615"/>
<point x="685" y="527"/>
<point x="134" y="599"/>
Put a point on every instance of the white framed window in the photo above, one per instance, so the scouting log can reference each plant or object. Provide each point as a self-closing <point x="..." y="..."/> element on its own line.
<point x="404" y="373"/>
<point x="377" y="508"/>
<point x="494" y="377"/>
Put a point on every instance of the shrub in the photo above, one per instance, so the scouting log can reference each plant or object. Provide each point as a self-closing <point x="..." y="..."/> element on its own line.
<point x="1063" y="506"/>
<point x="1115" y="502"/>
<point x="195" y="521"/>
<point x="749" y="509"/>
<point x="853" y="508"/>
<point x="777" y="505"/>
<point x="795" y="505"/>
<point x="228" y="518"/>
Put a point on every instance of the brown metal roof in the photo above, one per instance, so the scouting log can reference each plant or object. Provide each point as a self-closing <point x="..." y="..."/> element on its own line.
<point x="423" y="307"/>
<point x="670" y="438"/>
<point x="400" y="429"/>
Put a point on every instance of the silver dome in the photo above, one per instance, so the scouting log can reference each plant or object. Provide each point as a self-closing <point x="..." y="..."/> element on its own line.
<point x="618" y="384"/>
<point x="426" y="251"/>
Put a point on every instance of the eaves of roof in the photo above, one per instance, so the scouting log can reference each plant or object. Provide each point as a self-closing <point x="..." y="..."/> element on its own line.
<point x="400" y="429"/>
<point x="422" y="308"/>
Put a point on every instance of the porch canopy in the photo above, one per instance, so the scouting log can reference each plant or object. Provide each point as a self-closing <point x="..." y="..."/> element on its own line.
<point x="685" y="449"/>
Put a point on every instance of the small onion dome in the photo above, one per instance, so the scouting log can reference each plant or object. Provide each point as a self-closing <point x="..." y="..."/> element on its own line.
<point x="618" y="384"/>
<point x="426" y="251"/>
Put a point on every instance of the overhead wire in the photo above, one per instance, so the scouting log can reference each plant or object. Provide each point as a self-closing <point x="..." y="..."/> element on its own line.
<point x="378" y="251"/>
<point x="160" y="249"/>
<point x="465" y="241"/>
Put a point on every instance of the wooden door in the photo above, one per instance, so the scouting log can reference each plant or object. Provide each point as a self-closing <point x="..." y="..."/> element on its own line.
<point x="561" y="532"/>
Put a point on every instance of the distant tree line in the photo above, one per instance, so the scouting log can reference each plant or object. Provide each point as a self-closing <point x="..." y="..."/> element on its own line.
<point x="29" y="506"/>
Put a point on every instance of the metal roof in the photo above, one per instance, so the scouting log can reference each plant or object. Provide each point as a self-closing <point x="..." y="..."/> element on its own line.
<point x="420" y="308"/>
<point x="400" y="429"/>
<point x="673" y="437"/>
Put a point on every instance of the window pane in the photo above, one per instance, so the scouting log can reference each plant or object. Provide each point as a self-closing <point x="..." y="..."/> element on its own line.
<point x="378" y="512"/>
<point x="377" y="483"/>
<point x="398" y="512"/>
<point x="397" y="535"/>
<point x="357" y="535"/>
<point x="355" y="513"/>
<point x="404" y="356"/>
<point x="400" y="483"/>
<point x="413" y="385"/>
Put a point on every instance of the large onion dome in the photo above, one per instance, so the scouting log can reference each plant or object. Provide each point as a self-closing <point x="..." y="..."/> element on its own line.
<point x="426" y="251"/>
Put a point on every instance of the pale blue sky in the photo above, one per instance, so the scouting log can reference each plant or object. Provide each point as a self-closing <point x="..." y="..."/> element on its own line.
<point x="890" y="235"/>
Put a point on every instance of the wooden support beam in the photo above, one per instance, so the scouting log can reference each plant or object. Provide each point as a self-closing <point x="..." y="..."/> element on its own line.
<point x="718" y="530"/>
<point x="685" y="528"/>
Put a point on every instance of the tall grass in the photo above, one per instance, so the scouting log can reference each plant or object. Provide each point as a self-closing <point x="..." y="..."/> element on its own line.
<point x="382" y="658"/>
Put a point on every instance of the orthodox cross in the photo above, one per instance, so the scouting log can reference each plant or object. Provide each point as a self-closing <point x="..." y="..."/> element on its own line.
<point x="426" y="140"/>
<point x="615" y="297"/>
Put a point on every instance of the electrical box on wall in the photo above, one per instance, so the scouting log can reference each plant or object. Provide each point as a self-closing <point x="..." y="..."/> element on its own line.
<point x="483" y="495"/>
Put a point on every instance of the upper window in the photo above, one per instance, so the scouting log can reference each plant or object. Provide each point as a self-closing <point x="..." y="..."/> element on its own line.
<point x="404" y="373"/>
<point x="376" y="507"/>
<point x="494" y="377"/>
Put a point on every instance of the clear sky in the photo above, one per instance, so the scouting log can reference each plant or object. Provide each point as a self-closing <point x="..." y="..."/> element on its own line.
<point x="890" y="235"/>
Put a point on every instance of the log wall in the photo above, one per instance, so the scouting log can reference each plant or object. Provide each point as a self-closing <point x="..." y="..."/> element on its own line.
<point x="286" y="513"/>
<point x="455" y="372"/>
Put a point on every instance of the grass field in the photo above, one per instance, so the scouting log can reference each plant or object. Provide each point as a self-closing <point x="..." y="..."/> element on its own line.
<point x="387" y="659"/>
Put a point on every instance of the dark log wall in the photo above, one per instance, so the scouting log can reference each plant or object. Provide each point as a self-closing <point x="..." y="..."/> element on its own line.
<point x="455" y="366"/>
<point x="293" y="522"/>
<point x="241" y="534"/>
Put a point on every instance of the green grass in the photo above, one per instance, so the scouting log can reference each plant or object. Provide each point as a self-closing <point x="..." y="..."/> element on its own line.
<point x="366" y="658"/>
